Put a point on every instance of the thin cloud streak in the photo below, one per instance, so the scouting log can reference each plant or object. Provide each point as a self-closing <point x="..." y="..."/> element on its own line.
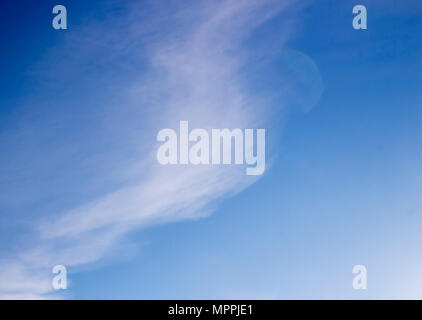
<point x="193" y="73"/>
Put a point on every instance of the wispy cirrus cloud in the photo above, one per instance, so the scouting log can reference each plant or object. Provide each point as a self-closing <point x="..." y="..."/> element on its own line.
<point x="146" y="69"/>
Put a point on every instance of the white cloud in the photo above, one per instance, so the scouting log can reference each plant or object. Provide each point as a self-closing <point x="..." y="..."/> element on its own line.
<point x="194" y="72"/>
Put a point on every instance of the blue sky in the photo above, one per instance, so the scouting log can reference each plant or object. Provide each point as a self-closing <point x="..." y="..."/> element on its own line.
<point x="79" y="113"/>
